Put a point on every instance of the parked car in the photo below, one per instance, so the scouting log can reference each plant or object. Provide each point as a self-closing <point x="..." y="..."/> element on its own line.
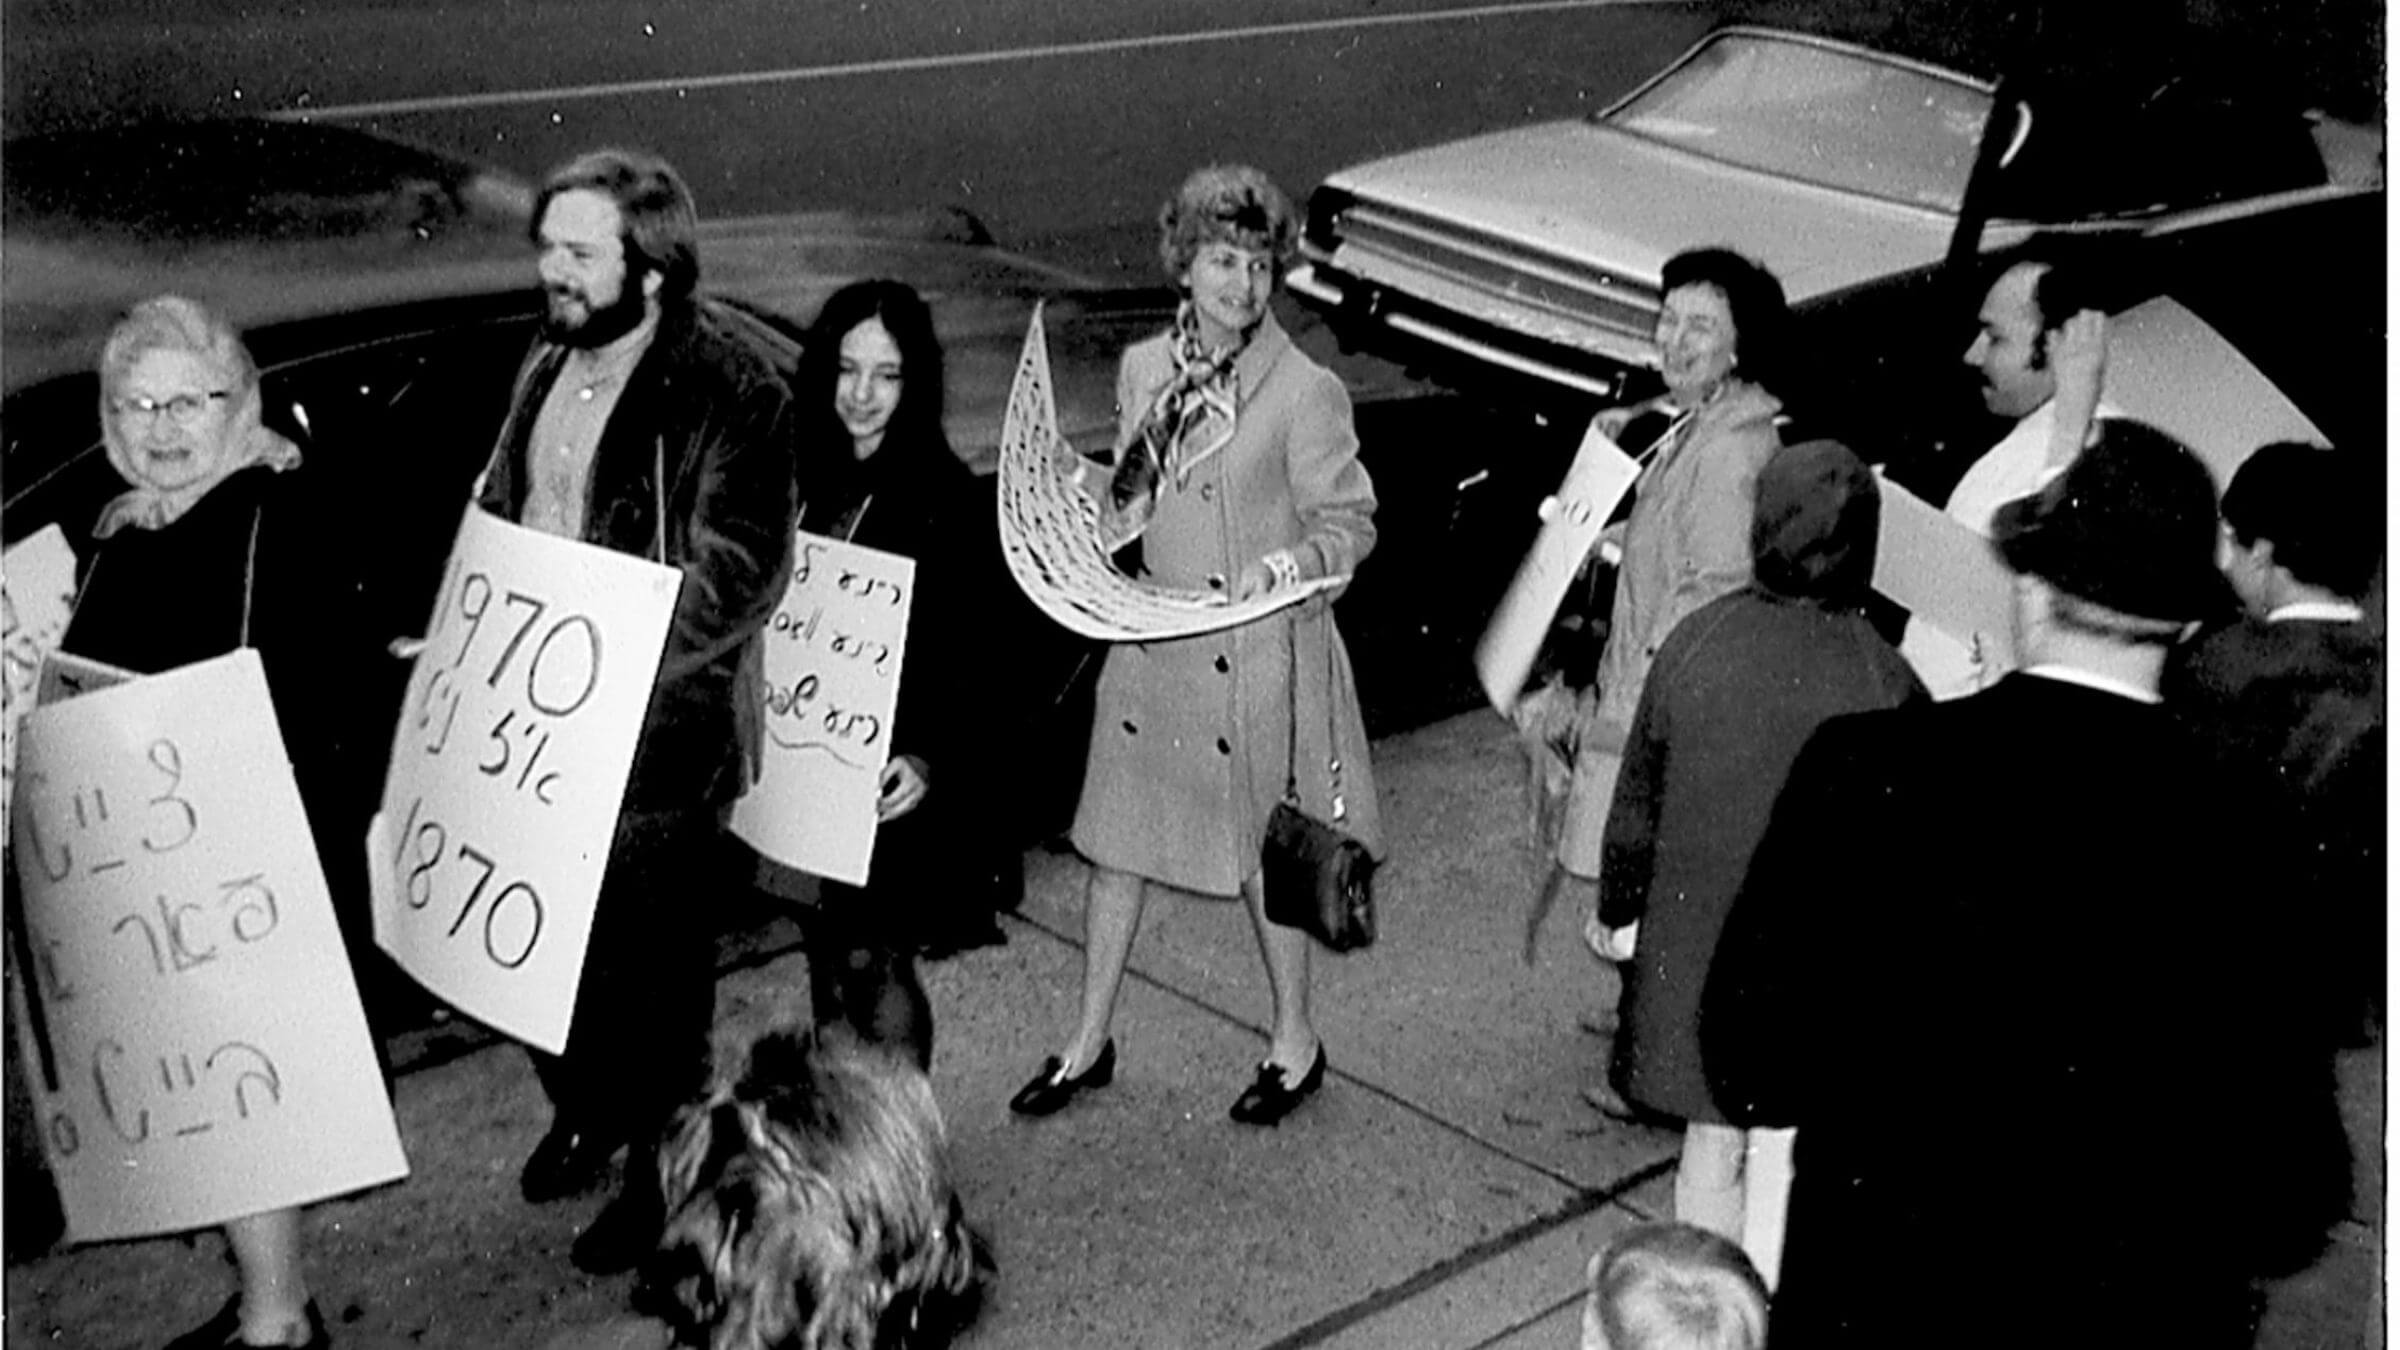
<point x="1535" y="252"/>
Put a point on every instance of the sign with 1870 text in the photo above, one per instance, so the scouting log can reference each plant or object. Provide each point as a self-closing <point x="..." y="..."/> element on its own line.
<point x="508" y="768"/>
<point x="186" y="1011"/>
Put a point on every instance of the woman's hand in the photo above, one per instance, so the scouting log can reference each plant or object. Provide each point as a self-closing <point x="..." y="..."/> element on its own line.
<point x="904" y="786"/>
<point x="1264" y="576"/>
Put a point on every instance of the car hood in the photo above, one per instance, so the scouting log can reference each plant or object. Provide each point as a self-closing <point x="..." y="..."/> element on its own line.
<point x="1592" y="192"/>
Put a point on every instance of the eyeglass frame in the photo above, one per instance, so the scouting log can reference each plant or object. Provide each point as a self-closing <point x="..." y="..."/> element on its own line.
<point x="183" y="409"/>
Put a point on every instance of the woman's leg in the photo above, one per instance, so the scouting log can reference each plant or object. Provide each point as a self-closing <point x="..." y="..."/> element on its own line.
<point x="1294" y="1041"/>
<point x="1708" y="1183"/>
<point x="266" y="1250"/>
<point x="1112" y="912"/>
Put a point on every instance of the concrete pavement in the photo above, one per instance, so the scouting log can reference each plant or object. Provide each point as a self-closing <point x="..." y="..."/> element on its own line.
<point x="1443" y="1191"/>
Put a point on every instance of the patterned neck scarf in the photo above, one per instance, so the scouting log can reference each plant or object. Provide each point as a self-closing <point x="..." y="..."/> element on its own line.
<point x="248" y="441"/>
<point x="1190" y="419"/>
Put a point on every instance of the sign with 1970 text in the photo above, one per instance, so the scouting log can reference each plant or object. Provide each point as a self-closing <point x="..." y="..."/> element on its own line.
<point x="508" y="767"/>
<point x="833" y="651"/>
<point x="186" y="1013"/>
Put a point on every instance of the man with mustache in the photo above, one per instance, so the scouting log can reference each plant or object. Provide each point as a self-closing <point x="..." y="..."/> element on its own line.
<point x="652" y="422"/>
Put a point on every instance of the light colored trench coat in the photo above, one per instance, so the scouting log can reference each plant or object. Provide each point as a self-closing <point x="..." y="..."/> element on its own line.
<point x="1190" y="737"/>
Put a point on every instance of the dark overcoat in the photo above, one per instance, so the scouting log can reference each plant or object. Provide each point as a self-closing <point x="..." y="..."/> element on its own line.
<point x="2005" y="963"/>
<point x="1735" y="692"/>
<point x="701" y="429"/>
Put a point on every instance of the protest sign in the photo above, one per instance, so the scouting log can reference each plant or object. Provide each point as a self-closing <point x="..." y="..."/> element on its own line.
<point x="1050" y="533"/>
<point x="37" y="597"/>
<point x="1945" y="574"/>
<point x="2167" y="367"/>
<point x="1572" y="518"/>
<point x="508" y="768"/>
<point x="833" y="653"/>
<point x="191" y="1030"/>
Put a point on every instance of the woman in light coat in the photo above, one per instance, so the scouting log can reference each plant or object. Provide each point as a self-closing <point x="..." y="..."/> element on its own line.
<point x="1237" y="470"/>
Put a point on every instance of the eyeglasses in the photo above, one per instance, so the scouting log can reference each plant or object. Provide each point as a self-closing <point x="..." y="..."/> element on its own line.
<point x="183" y="410"/>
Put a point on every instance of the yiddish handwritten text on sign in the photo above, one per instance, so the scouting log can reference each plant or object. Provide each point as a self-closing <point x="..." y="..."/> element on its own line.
<point x="188" y="1019"/>
<point x="833" y="653"/>
<point x="1049" y="531"/>
<point x="509" y="765"/>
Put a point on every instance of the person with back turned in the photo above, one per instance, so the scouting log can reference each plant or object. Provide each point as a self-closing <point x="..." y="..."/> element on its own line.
<point x="1996" y="959"/>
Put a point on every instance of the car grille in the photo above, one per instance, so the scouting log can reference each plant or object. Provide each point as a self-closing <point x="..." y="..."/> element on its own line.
<point x="1563" y="292"/>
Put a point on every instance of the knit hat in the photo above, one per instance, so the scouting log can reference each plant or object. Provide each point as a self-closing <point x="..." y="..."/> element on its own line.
<point x="1812" y="531"/>
<point x="2131" y="525"/>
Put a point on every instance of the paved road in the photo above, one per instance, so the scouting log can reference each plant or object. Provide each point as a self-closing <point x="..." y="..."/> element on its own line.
<point x="1061" y="126"/>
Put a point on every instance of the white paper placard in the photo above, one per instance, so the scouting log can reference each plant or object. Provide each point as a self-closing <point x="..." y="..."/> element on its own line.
<point x="2167" y="367"/>
<point x="509" y="766"/>
<point x="1572" y="518"/>
<point x="190" y="1027"/>
<point x="37" y="598"/>
<point x="1945" y="574"/>
<point x="1050" y="533"/>
<point x="833" y="654"/>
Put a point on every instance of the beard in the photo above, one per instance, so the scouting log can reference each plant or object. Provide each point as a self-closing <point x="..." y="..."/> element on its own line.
<point x="601" y="325"/>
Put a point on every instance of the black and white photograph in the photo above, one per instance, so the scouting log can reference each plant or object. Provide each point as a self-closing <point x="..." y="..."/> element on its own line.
<point x="1365" y="674"/>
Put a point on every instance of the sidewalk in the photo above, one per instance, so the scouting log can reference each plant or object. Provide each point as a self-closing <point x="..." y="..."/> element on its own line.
<point x="1443" y="1191"/>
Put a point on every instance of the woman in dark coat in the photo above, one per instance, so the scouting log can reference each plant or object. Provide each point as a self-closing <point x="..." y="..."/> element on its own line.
<point x="1736" y="690"/>
<point x="876" y="469"/>
<point x="200" y="556"/>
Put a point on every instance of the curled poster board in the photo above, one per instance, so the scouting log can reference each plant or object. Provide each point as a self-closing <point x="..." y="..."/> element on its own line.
<point x="1049" y="532"/>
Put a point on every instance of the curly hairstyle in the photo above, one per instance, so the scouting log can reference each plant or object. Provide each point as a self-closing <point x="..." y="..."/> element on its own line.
<point x="1230" y="203"/>
<point x="1751" y="292"/>
<point x="661" y="222"/>
<point x="171" y="323"/>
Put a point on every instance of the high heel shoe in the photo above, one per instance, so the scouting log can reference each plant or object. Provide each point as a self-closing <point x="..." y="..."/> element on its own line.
<point x="1051" y="1089"/>
<point x="1270" y="1096"/>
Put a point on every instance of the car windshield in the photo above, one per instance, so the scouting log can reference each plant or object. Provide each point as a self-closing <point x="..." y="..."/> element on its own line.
<point x="1825" y="115"/>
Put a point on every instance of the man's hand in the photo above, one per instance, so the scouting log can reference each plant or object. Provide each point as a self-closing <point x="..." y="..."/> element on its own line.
<point x="904" y="786"/>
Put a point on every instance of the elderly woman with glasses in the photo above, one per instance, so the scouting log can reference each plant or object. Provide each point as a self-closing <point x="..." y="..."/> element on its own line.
<point x="1237" y="469"/>
<point x="199" y="555"/>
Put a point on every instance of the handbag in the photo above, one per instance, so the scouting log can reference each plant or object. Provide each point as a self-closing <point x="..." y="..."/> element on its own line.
<point x="1316" y="878"/>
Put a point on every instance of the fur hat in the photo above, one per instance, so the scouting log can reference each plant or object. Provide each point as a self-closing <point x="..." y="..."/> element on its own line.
<point x="2131" y="525"/>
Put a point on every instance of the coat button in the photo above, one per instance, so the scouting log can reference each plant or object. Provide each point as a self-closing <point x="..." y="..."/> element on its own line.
<point x="1208" y="492"/>
<point x="1224" y="747"/>
<point x="1223" y="665"/>
<point x="1131" y="729"/>
<point x="1216" y="581"/>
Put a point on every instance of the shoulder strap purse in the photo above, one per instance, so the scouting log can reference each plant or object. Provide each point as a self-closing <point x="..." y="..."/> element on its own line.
<point x="1316" y="878"/>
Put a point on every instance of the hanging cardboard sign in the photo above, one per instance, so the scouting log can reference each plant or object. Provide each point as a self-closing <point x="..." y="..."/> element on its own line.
<point x="833" y="654"/>
<point x="509" y="766"/>
<point x="186" y="1011"/>
<point x="1572" y="519"/>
